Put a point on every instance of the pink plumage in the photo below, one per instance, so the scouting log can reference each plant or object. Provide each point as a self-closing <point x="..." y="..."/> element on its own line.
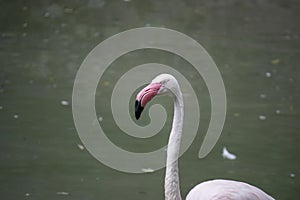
<point x="226" y="190"/>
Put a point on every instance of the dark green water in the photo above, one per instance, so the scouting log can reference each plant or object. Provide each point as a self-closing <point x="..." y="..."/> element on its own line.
<point x="255" y="45"/>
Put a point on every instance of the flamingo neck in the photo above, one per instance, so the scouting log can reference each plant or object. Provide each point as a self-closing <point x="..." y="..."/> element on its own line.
<point x="172" y="188"/>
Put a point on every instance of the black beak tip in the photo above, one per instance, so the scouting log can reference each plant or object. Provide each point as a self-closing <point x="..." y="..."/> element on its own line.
<point x="138" y="109"/>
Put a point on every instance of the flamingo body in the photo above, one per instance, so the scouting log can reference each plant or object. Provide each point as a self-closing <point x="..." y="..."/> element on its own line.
<point x="226" y="190"/>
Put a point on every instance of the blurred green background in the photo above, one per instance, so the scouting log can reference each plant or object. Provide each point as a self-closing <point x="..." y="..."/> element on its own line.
<point x="254" y="43"/>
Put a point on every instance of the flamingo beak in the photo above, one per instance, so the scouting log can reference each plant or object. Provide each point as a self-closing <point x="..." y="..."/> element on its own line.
<point x="144" y="96"/>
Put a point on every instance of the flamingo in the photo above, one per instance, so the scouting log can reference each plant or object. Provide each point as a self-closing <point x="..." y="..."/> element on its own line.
<point x="209" y="190"/>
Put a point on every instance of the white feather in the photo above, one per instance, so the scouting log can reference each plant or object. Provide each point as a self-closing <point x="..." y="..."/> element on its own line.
<point x="227" y="155"/>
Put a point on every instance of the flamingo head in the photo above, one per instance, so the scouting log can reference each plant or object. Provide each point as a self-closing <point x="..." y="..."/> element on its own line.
<point x="162" y="84"/>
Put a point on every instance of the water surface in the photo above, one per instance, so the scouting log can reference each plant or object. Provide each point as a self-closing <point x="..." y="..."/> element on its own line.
<point x="255" y="44"/>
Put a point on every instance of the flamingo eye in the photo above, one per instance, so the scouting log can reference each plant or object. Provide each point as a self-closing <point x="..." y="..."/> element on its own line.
<point x="162" y="90"/>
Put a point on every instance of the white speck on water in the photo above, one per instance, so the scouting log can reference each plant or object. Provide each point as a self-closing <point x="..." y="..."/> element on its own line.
<point x="27" y="194"/>
<point x="64" y="103"/>
<point x="16" y="116"/>
<point x="263" y="96"/>
<point x="80" y="146"/>
<point x="147" y="170"/>
<point x="236" y="114"/>
<point x="68" y="10"/>
<point x="47" y="14"/>
<point x="275" y="61"/>
<point x="1" y="107"/>
<point x="126" y="0"/>
<point x="268" y="74"/>
<point x="25" y="25"/>
<point x="147" y="25"/>
<point x="97" y="34"/>
<point x="54" y="11"/>
<point x="278" y="112"/>
<point x="292" y="175"/>
<point x="227" y="155"/>
<point x="100" y="119"/>
<point x="62" y="193"/>
<point x="262" y="117"/>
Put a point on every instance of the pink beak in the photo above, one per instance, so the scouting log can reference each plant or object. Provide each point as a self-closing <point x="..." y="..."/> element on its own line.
<point x="144" y="96"/>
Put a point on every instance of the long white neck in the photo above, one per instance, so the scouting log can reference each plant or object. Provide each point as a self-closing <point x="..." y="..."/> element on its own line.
<point x="172" y="188"/>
